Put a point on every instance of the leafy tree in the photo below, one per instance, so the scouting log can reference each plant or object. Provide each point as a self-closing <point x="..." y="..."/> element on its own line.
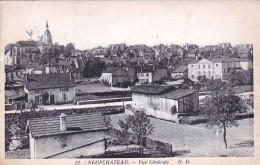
<point x="140" y="125"/>
<point x="93" y="68"/>
<point x="68" y="49"/>
<point x="125" y="127"/>
<point x="221" y="108"/>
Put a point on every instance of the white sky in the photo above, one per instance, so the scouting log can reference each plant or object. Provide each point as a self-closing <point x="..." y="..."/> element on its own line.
<point x="90" y="24"/>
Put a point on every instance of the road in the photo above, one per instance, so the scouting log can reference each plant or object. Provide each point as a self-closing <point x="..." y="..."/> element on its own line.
<point x="73" y="106"/>
<point x="197" y="140"/>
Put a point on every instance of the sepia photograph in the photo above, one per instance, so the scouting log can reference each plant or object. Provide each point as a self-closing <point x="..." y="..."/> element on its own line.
<point x="140" y="80"/>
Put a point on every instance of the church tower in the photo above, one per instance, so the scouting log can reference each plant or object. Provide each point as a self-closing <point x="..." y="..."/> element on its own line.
<point x="47" y="38"/>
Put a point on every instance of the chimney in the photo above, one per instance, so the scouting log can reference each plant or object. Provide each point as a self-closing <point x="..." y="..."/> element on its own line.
<point x="63" y="125"/>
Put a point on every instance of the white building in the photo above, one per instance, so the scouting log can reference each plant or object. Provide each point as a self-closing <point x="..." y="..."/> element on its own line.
<point x="216" y="68"/>
<point x="64" y="136"/>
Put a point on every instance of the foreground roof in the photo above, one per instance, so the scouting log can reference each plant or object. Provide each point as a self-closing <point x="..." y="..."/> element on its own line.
<point x="49" y="126"/>
<point x="52" y="80"/>
<point x="152" y="89"/>
<point x="179" y="93"/>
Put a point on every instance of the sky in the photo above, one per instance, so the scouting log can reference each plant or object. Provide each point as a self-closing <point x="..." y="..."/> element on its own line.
<point x="91" y="24"/>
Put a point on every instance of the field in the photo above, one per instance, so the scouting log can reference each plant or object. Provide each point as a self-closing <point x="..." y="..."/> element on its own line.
<point x="198" y="141"/>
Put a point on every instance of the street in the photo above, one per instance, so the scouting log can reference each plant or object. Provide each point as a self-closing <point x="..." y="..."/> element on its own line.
<point x="196" y="140"/>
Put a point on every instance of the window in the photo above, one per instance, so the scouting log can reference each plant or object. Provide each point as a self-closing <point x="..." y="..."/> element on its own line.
<point x="64" y="89"/>
<point x="199" y="66"/>
<point x="216" y="65"/>
<point x="204" y="66"/>
<point x="147" y="74"/>
<point x="64" y="97"/>
<point x="38" y="99"/>
<point x="192" y="76"/>
<point x="191" y="65"/>
<point x="209" y="66"/>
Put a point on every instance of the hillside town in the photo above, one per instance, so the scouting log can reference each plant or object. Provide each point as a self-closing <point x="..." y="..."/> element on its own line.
<point x="62" y="102"/>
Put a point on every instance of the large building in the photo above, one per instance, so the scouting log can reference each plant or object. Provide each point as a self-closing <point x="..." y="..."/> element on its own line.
<point x="65" y="136"/>
<point x="159" y="100"/>
<point x="52" y="88"/>
<point x="216" y="68"/>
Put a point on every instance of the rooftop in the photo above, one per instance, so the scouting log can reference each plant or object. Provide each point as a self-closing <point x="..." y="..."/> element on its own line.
<point x="152" y="89"/>
<point x="180" y="69"/>
<point x="52" y="80"/>
<point x="179" y="93"/>
<point x="49" y="126"/>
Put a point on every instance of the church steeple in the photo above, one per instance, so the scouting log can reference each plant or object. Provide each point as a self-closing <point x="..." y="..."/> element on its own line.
<point x="47" y="26"/>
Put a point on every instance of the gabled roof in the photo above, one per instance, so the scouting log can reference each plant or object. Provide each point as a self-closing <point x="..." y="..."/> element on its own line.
<point x="26" y="44"/>
<point x="110" y="70"/>
<point x="152" y="89"/>
<point x="49" y="126"/>
<point x="179" y="93"/>
<point x="180" y="69"/>
<point x="51" y="80"/>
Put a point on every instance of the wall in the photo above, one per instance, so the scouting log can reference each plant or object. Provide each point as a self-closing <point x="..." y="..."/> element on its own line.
<point x="48" y="146"/>
<point x="56" y="92"/>
<point x="163" y="105"/>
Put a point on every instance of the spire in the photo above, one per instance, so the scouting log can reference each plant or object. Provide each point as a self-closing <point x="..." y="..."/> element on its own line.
<point x="47" y="26"/>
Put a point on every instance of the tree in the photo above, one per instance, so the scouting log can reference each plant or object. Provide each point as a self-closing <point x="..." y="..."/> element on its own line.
<point x="140" y="125"/>
<point x="68" y="49"/>
<point x="125" y="126"/>
<point x="221" y="108"/>
<point x="93" y="68"/>
<point x="173" y="110"/>
<point x="154" y="106"/>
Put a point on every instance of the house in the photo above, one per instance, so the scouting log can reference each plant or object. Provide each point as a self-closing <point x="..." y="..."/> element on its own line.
<point x="216" y="68"/>
<point x="72" y="136"/>
<point x="145" y="76"/>
<point x="149" y="75"/>
<point x="245" y="92"/>
<point x="76" y="53"/>
<point x="114" y="76"/>
<point x="243" y="50"/>
<point x="180" y="72"/>
<point x="159" y="100"/>
<point x="158" y="74"/>
<point x="52" y="88"/>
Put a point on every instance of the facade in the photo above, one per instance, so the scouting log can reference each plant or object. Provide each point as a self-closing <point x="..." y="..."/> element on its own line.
<point x="114" y="76"/>
<point x="65" y="136"/>
<point x="145" y="76"/>
<point x="180" y="72"/>
<point x="216" y="68"/>
<point x="59" y="88"/>
<point x="158" y="100"/>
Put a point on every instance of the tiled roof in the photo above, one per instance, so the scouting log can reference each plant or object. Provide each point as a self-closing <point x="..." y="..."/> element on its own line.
<point x="178" y="93"/>
<point x="110" y="70"/>
<point x="180" y="69"/>
<point x="49" y="126"/>
<point x="152" y="89"/>
<point x="242" y="89"/>
<point x="26" y="43"/>
<point x="52" y="80"/>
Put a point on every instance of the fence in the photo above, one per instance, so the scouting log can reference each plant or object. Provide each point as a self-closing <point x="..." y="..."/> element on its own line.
<point x="98" y="101"/>
<point x="153" y="148"/>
